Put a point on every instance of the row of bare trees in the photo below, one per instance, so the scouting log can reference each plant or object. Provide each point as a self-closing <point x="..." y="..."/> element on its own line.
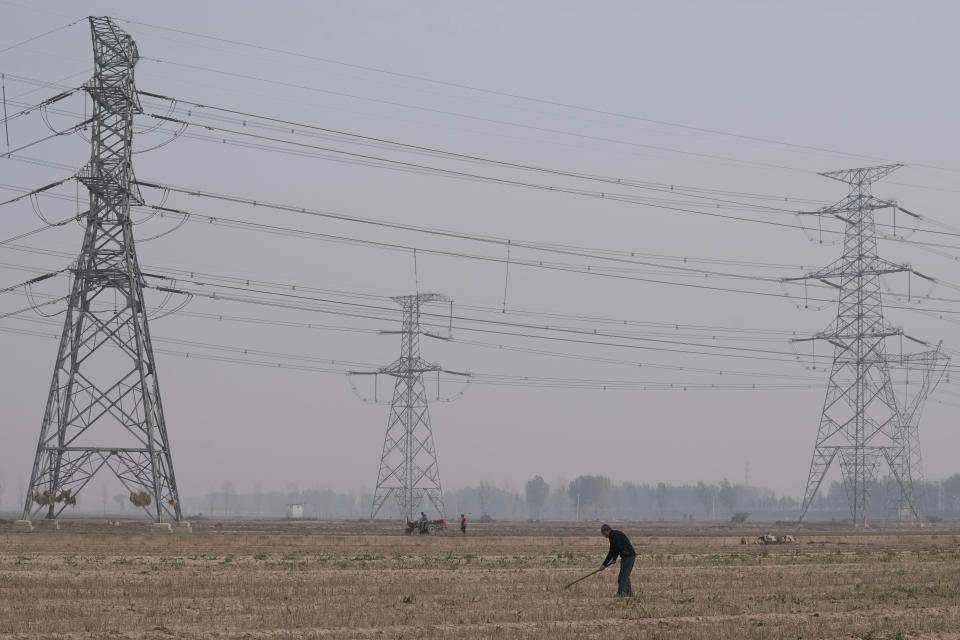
<point x="593" y="497"/>
<point x="586" y="497"/>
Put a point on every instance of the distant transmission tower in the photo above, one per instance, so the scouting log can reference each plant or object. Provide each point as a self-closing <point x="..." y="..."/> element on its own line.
<point x="932" y="365"/>
<point x="408" y="464"/>
<point x="862" y="422"/>
<point x="104" y="406"/>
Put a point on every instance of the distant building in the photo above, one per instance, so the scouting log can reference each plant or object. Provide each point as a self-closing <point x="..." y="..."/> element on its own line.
<point x="294" y="512"/>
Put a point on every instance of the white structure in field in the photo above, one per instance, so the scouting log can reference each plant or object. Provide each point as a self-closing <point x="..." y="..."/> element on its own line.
<point x="294" y="512"/>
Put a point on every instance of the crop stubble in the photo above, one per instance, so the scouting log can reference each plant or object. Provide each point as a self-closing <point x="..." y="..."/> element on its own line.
<point x="360" y="580"/>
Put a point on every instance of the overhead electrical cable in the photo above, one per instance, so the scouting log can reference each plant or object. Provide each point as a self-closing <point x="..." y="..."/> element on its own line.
<point x="36" y="191"/>
<point x="486" y="239"/>
<point x="501" y="347"/>
<point x="619" y="181"/>
<point x="55" y="134"/>
<point x="366" y="308"/>
<point x="514" y="96"/>
<point x="620" y="322"/>
<point x="30" y="109"/>
<point x="452" y="154"/>
<point x="569" y="269"/>
<point x="485" y="379"/>
<point x="694" y="154"/>
<point x="40" y="35"/>
<point x="38" y="161"/>
<point x="632" y="182"/>
<point x="593" y="333"/>
<point x="351" y="218"/>
<point x="467" y="236"/>
<point x="524" y="380"/>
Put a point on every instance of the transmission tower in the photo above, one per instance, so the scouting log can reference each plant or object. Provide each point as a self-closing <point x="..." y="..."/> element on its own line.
<point x="932" y="365"/>
<point x="861" y="421"/>
<point x="104" y="408"/>
<point x="408" y="463"/>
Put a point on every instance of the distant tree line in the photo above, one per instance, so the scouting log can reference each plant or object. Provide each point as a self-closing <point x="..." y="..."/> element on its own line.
<point x="586" y="497"/>
<point x="596" y="497"/>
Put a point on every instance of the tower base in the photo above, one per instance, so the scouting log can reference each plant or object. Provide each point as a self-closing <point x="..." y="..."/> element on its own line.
<point x="24" y="526"/>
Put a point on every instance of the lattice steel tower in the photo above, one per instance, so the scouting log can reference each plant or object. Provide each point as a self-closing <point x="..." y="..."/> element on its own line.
<point x="104" y="407"/>
<point x="408" y="464"/>
<point x="862" y="422"/>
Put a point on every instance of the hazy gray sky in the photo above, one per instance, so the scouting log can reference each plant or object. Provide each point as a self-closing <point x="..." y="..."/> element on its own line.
<point x="871" y="81"/>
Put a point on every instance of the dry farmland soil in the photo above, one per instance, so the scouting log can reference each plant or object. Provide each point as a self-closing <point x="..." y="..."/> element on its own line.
<point x="275" y="580"/>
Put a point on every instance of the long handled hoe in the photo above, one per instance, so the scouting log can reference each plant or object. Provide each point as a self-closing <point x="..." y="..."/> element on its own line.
<point x="567" y="586"/>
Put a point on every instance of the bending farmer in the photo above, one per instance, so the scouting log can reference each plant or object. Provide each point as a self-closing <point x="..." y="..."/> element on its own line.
<point x="620" y="546"/>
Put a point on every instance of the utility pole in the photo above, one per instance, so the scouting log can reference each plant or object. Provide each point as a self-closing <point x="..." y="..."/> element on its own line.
<point x="408" y="463"/>
<point x="861" y="420"/>
<point x="104" y="408"/>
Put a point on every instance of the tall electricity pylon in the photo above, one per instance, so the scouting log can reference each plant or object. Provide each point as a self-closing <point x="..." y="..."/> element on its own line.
<point x="932" y="365"/>
<point x="408" y="464"/>
<point x="861" y="420"/>
<point x="104" y="406"/>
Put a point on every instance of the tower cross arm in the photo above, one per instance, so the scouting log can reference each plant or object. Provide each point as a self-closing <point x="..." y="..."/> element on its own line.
<point x="862" y="175"/>
<point x="837" y="338"/>
<point x="857" y="203"/>
<point x="404" y="366"/>
<point x="840" y="269"/>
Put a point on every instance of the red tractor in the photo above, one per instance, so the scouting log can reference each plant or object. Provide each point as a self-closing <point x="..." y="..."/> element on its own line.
<point x="426" y="527"/>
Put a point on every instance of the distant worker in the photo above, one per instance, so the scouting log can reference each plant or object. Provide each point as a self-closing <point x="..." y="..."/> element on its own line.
<point x="620" y="546"/>
<point x="424" y="524"/>
<point x="463" y="524"/>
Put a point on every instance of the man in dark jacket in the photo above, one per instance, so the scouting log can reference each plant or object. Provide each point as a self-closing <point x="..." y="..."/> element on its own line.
<point x="424" y="524"/>
<point x="620" y="546"/>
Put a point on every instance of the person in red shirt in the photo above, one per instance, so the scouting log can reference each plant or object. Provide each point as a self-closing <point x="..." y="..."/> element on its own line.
<point x="463" y="524"/>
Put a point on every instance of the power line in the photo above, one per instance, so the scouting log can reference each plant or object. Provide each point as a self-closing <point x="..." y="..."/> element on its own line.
<point x="36" y="191"/>
<point x="499" y="347"/>
<point x="618" y="181"/>
<point x="444" y="152"/>
<point x="672" y="188"/>
<point x="366" y="308"/>
<point x="431" y="124"/>
<point x="39" y="162"/>
<point x="383" y="162"/>
<point x="459" y="97"/>
<point x="503" y="241"/>
<point x="32" y="108"/>
<point x="479" y="378"/>
<point x="894" y="227"/>
<point x="362" y="309"/>
<point x="623" y="198"/>
<point x="568" y="269"/>
<point x="561" y="268"/>
<point x="55" y="134"/>
<point x="517" y="96"/>
<point x="341" y="367"/>
<point x="593" y="333"/>
<point x="35" y="280"/>
<point x="581" y="269"/>
<point x="247" y="281"/>
<point x="38" y="36"/>
<point x="694" y="154"/>
<point x="44" y="84"/>
<point x="519" y="244"/>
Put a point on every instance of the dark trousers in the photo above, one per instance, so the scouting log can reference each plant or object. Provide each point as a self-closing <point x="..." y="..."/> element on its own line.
<point x="624" y="588"/>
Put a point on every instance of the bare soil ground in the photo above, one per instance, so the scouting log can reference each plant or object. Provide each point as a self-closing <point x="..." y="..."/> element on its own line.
<point x="273" y="580"/>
